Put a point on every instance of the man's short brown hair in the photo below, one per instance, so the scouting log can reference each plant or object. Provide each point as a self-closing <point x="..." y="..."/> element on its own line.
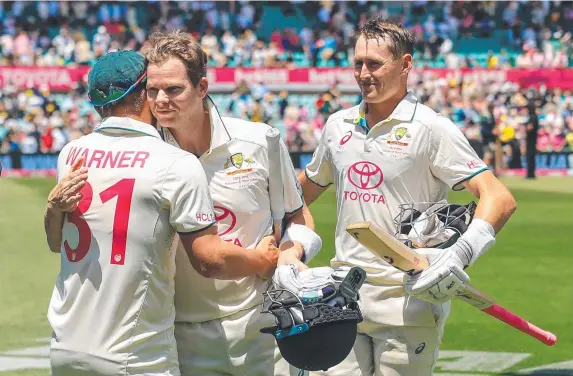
<point x="162" y="46"/>
<point x="400" y="41"/>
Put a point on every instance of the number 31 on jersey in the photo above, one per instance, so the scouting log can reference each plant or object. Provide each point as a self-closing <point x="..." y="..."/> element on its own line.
<point x="123" y="189"/>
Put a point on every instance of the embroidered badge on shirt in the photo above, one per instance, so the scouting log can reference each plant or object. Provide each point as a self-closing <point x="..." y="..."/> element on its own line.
<point x="240" y="170"/>
<point x="397" y="143"/>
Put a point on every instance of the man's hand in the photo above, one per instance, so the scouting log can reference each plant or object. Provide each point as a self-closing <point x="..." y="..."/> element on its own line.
<point x="64" y="198"/>
<point x="443" y="279"/>
<point x="66" y="194"/>
<point x="269" y="250"/>
<point x="291" y="253"/>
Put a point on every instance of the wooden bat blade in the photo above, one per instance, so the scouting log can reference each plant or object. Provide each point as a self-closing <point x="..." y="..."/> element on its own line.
<point x="387" y="247"/>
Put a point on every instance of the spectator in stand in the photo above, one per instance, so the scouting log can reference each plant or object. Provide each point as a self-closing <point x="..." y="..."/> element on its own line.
<point x="481" y="111"/>
<point x="28" y="32"/>
<point x="569" y="136"/>
<point x="532" y="128"/>
<point x="68" y="33"/>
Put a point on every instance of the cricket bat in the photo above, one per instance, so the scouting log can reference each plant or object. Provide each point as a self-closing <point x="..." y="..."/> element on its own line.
<point x="276" y="185"/>
<point x="397" y="254"/>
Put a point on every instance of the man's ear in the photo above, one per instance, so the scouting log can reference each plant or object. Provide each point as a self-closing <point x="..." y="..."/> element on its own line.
<point x="203" y="87"/>
<point x="407" y="63"/>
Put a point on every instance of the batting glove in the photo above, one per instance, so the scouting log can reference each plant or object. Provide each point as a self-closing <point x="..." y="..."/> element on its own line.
<point x="443" y="279"/>
<point x="308" y="284"/>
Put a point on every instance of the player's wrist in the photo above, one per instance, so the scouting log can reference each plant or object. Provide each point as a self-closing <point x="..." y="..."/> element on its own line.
<point x="54" y="208"/>
<point x="294" y="248"/>
<point x="479" y="237"/>
<point x="309" y="240"/>
<point x="268" y="263"/>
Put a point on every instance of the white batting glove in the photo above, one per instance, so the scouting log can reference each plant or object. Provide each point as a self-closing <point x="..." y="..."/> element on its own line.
<point x="443" y="279"/>
<point x="305" y="284"/>
<point x="446" y="277"/>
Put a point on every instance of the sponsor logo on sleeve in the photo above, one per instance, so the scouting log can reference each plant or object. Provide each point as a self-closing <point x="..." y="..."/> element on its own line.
<point x="474" y="164"/>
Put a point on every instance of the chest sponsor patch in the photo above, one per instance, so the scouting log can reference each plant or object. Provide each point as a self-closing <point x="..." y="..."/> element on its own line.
<point x="365" y="178"/>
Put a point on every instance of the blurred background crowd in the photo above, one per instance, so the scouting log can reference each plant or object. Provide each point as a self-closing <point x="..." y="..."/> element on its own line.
<point x="313" y="33"/>
<point x="452" y="35"/>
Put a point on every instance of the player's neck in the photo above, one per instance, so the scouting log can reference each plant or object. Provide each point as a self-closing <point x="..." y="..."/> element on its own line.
<point x="140" y="119"/>
<point x="378" y="112"/>
<point x="194" y="139"/>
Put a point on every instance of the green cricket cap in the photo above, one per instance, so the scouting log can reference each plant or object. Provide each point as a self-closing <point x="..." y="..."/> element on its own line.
<point x="115" y="75"/>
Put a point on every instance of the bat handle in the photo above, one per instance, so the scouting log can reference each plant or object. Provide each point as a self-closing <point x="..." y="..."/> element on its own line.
<point x="277" y="229"/>
<point x="518" y="323"/>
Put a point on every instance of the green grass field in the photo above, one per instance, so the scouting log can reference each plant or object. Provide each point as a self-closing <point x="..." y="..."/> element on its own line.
<point x="530" y="271"/>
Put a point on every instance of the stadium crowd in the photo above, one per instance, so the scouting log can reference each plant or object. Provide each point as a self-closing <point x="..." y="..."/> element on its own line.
<point x="242" y="33"/>
<point x="36" y="120"/>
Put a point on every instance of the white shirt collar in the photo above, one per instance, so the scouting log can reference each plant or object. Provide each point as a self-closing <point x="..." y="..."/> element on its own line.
<point x="219" y="133"/>
<point x="115" y="124"/>
<point x="404" y="111"/>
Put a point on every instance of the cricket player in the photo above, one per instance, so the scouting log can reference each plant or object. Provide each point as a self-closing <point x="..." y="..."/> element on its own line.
<point x="389" y="150"/>
<point x="218" y="322"/>
<point x="112" y="310"/>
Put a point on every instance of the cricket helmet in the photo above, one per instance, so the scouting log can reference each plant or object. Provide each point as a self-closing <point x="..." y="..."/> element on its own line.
<point x="433" y="224"/>
<point x="315" y="334"/>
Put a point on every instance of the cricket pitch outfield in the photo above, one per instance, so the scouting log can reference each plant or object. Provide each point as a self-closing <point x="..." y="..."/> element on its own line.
<point x="528" y="271"/>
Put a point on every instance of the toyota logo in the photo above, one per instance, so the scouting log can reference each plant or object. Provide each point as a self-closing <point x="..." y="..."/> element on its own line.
<point x="221" y="214"/>
<point x="365" y="175"/>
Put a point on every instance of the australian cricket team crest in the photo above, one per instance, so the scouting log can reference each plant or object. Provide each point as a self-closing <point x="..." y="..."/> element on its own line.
<point x="399" y="136"/>
<point x="238" y="161"/>
<point x="400" y="133"/>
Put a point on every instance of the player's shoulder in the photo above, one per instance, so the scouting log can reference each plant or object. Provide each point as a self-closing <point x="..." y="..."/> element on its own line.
<point x="342" y="118"/>
<point x="431" y="119"/>
<point x="344" y="115"/>
<point x="170" y="153"/>
<point x="178" y="163"/>
<point x="82" y="141"/>
<point x="247" y="131"/>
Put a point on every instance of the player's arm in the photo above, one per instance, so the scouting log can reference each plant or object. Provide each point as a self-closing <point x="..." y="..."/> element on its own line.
<point x="53" y="225"/>
<point x="318" y="175"/>
<point x="496" y="203"/>
<point x="299" y="241"/>
<point x="213" y="257"/>
<point x="453" y="161"/>
<point x="63" y="198"/>
<point x="311" y="190"/>
<point x="186" y="191"/>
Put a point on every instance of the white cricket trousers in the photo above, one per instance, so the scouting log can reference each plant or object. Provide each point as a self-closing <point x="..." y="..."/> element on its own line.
<point x="230" y="346"/>
<point x="400" y="336"/>
<point x="73" y="363"/>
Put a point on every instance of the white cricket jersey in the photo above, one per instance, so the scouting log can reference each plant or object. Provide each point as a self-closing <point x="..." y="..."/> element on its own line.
<point x="237" y="168"/>
<point x="415" y="155"/>
<point x="113" y="299"/>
